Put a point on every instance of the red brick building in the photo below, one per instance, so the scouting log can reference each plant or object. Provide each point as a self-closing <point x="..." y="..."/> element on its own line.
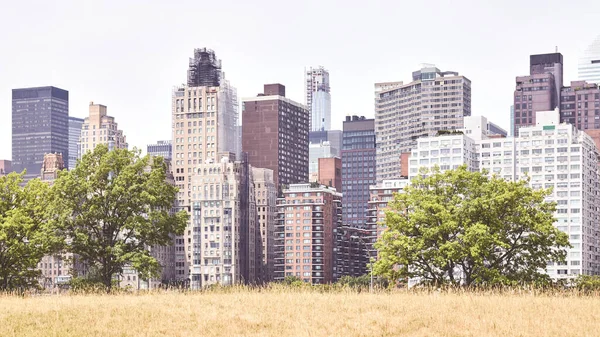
<point x="275" y="135"/>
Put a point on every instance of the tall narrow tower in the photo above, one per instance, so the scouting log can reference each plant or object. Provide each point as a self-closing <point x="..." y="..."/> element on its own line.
<point x="318" y="98"/>
<point x="205" y="139"/>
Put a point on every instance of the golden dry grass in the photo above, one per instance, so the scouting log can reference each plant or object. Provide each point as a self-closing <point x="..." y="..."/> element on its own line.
<point x="279" y="312"/>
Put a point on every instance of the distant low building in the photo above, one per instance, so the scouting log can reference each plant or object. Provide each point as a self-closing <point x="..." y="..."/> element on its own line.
<point x="5" y="167"/>
<point x="162" y="148"/>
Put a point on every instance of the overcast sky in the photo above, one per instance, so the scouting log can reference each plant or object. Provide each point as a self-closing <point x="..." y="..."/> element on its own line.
<point x="129" y="54"/>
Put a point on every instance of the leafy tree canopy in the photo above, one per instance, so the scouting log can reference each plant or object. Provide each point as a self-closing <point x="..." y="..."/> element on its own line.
<point x="464" y="228"/>
<point x="115" y="205"/>
<point x="27" y="233"/>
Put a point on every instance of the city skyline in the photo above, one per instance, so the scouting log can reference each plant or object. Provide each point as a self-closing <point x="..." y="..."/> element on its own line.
<point x="148" y="77"/>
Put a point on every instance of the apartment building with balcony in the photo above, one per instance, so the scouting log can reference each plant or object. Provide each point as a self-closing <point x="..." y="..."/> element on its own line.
<point x="305" y="233"/>
<point x="434" y="100"/>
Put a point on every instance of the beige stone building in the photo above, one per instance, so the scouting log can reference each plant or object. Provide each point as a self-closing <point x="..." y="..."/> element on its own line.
<point x="100" y="128"/>
<point x="266" y="202"/>
<point x="204" y="123"/>
<point x="225" y="241"/>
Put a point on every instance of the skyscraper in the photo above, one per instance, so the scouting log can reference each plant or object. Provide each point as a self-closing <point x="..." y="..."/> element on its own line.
<point x="580" y="106"/>
<point x="358" y="168"/>
<point x="40" y="125"/>
<point x="433" y="101"/>
<point x="538" y="91"/>
<point x="275" y="135"/>
<point x="318" y="98"/>
<point x="162" y="148"/>
<point x="589" y="63"/>
<point x="75" y="125"/>
<point x="100" y="128"/>
<point x="204" y="118"/>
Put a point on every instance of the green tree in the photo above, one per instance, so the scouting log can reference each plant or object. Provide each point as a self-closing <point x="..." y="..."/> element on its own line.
<point x="115" y="205"/>
<point x="465" y="228"/>
<point x="26" y="231"/>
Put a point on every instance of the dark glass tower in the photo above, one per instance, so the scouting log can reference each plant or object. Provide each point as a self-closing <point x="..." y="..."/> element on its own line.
<point x="40" y="125"/>
<point x="358" y="169"/>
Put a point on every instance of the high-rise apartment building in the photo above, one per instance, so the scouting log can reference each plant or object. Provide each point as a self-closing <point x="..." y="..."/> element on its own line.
<point x="5" y="167"/>
<point x="266" y="204"/>
<point x="226" y="239"/>
<point x="100" y="128"/>
<point x="204" y="119"/>
<point x="318" y="98"/>
<point x="538" y="91"/>
<point x="358" y="168"/>
<point x="580" y="106"/>
<point x="552" y="155"/>
<point x="162" y="148"/>
<point x="40" y="125"/>
<point x="275" y="135"/>
<point x="589" y="63"/>
<point x="308" y="217"/>
<point x="433" y="101"/>
<point x="75" y="125"/>
<point x="323" y="144"/>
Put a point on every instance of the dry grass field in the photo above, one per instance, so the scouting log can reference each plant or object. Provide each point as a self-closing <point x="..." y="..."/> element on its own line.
<point x="280" y="312"/>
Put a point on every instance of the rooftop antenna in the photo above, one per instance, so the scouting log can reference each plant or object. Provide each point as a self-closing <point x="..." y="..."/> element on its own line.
<point x="556" y="49"/>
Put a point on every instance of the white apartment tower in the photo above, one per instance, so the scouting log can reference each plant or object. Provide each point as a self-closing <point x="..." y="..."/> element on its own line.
<point x="589" y="63"/>
<point x="100" y="128"/>
<point x="204" y="123"/>
<point x="318" y="98"/>
<point x="433" y="101"/>
<point x="552" y="155"/>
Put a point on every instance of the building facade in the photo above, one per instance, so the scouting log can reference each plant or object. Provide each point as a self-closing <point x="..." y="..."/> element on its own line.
<point x="40" y="125"/>
<point x="323" y="144"/>
<point x="307" y="219"/>
<point x="433" y="101"/>
<point x="5" y="167"/>
<point x="162" y="148"/>
<point x="100" y="128"/>
<point x="358" y="168"/>
<point x="266" y="203"/>
<point x="275" y="135"/>
<point x="589" y="63"/>
<point x="204" y="119"/>
<point x="75" y="125"/>
<point x="381" y="195"/>
<point x="538" y="91"/>
<point x="318" y="98"/>
<point x="580" y="106"/>
<point x="351" y="252"/>
<point x="553" y="155"/>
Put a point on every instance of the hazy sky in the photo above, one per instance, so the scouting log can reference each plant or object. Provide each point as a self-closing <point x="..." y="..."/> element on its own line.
<point x="129" y="54"/>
